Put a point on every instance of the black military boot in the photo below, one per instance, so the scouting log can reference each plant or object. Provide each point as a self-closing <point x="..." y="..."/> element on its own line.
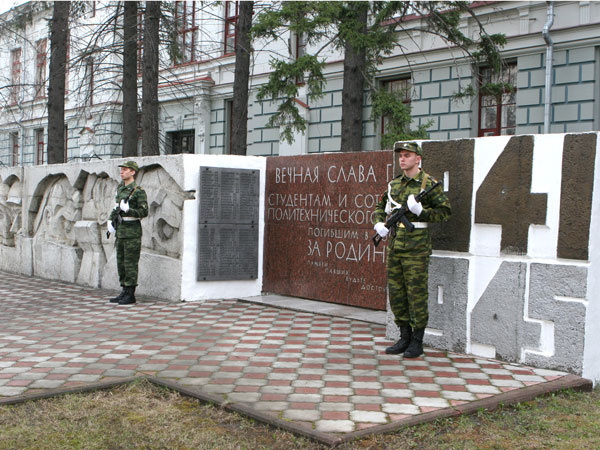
<point x="129" y="298"/>
<point x="415" y="349"/>
<point x="402" y="344"/>
<point x="118" y="298"/>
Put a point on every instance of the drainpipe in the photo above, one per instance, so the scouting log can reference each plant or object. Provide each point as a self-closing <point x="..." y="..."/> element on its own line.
<point x="549" y="53"/>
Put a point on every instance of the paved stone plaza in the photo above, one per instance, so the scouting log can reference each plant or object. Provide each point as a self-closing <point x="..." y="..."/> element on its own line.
<point x="315" y="372"/>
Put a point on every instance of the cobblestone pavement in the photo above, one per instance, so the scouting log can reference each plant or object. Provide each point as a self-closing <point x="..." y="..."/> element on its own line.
<point x="328" y="373"/>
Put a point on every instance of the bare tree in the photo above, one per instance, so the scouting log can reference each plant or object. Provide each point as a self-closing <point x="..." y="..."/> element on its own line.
<point x="56" y="87"/>
<point x="243" y="49"/>
<point x="130" y="42"/>
<point x="150" y="80"/>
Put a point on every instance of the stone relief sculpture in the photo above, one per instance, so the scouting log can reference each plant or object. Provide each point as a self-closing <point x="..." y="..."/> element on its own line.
<point x="98" y="198"/>
<point x="10" y="211"/>
<point x="59" y="209"/>
<point x="165" y="203"/>
<point x="66" y="221"/>
<point x="98" y="201"/>
<point x="54" y="211"/>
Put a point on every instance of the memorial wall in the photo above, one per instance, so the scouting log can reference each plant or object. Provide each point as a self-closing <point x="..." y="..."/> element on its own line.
<point x="53" y="225"/>
<point x="318" y="222"/>
<point x="513" y="274"/>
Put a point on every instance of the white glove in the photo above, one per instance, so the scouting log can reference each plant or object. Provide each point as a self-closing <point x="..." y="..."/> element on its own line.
<point x="124" y="206"/>
<point x="111" y="229"/>
<point x="415" y="207"/>
<point x="381" y="229"/>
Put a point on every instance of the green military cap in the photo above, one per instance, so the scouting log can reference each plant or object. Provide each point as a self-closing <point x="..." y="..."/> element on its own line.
<point x="131" y="165"/>
<point x="410" y="146"/>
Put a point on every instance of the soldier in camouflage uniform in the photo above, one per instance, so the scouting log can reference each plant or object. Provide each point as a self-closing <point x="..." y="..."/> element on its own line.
<point x="409" y="252"/>
<point x="132" y="206"/>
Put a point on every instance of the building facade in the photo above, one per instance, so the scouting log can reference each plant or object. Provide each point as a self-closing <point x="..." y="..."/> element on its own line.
<point x="197" y="73"/>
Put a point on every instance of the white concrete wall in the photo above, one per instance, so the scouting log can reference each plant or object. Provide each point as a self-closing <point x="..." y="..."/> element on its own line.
<point x="53" y="224"/>
<point x="532" y="306"/>
<point x="203" y="290"/>
<point x="591" y="355"/>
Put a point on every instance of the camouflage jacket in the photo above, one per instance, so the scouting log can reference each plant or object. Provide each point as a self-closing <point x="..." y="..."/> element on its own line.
<point x="436" y="208"/>
<point x="138" y="208"/>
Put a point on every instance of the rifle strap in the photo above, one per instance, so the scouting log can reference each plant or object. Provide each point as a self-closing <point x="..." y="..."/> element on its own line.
<point x="424" y="182"/>
<point x="130" y="194"/>
<point x="395" y="204"/>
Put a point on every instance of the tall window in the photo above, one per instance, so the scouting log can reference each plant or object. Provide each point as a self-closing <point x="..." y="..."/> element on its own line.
<point x="402" y="87"/>
<point x="40" y="68"/>
<point x="15" y="63"/>
<point x="14" y="145"/>
<point x="187" y="29"/>
<point x="89" y="73"/>
<point x="298" y="49"/>
<point x="231" y="17"/>
<point x="497" y="101"/>
<point x="39" y="139"/>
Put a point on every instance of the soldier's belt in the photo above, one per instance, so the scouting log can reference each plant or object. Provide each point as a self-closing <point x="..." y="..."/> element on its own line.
<point x="130" y="219"/>
<point x="416" y="224"/>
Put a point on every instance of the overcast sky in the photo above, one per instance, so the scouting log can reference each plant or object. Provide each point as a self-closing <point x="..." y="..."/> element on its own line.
<point x="5" y="5"/>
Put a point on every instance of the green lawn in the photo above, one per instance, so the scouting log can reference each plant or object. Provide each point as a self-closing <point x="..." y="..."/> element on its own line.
<point x="142" y="415"/>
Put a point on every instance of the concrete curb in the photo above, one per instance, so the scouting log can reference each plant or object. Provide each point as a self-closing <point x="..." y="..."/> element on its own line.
<point x="491" y="403"/>
<point x="50" y="393"/>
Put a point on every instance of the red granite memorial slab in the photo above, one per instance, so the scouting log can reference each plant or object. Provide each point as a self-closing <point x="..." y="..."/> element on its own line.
<point x="318" y="227"/>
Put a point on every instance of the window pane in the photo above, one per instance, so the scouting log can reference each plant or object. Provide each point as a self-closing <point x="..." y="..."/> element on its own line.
<point x="488" y="100"/>
<point x="512" y="74"/>
<point x="230" y="9"/>
<point x="486" y="76"/>
<point x="509" y="116"/>
<point x="230" y="28"/>
<point x="230" y="44"/>
<point x="488" y="117"/>
<point x="401" y="86"/>
<point x="508" y="98"/>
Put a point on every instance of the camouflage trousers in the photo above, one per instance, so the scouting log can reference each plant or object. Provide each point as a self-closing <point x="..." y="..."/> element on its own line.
<point x="408" y="279"/>
<point x="128" y="257"/>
